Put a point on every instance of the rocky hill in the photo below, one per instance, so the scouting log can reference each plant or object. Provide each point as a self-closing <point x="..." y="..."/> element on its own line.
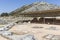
<point x="36" y="6"/>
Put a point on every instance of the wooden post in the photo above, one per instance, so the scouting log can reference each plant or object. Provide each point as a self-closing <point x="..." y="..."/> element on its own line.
<point x="44" y="20"/>
<point x="53" y="20"/>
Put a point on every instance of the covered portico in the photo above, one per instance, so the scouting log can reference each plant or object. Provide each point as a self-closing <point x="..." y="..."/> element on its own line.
<point x="46" y="17"/>
<point x="47" y="20"/>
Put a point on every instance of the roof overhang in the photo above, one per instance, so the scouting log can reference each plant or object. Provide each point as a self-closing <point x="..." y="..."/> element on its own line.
<point x="45" y="11"/>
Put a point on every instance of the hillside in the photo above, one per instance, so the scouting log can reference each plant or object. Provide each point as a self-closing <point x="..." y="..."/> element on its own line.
<point x="18" y="10"/>
<point x="36" y="6"/>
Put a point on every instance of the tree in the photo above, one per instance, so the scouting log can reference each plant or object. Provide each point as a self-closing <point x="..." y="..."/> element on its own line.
<point x="4" y="14"/>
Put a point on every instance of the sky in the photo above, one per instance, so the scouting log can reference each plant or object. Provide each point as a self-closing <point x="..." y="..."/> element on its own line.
<point x="10" y="5"/>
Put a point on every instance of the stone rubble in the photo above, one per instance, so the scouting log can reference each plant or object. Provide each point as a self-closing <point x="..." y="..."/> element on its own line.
<point x="52" y="37"/>
<point x="10" y="35"/>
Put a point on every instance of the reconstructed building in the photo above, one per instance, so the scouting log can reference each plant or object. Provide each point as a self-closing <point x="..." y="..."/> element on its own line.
<point x="42" y="12"/>
<point x="47" y="16"/>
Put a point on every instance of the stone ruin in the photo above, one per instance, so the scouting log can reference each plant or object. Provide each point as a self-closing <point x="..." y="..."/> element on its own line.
<point x="51" y="37"/>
